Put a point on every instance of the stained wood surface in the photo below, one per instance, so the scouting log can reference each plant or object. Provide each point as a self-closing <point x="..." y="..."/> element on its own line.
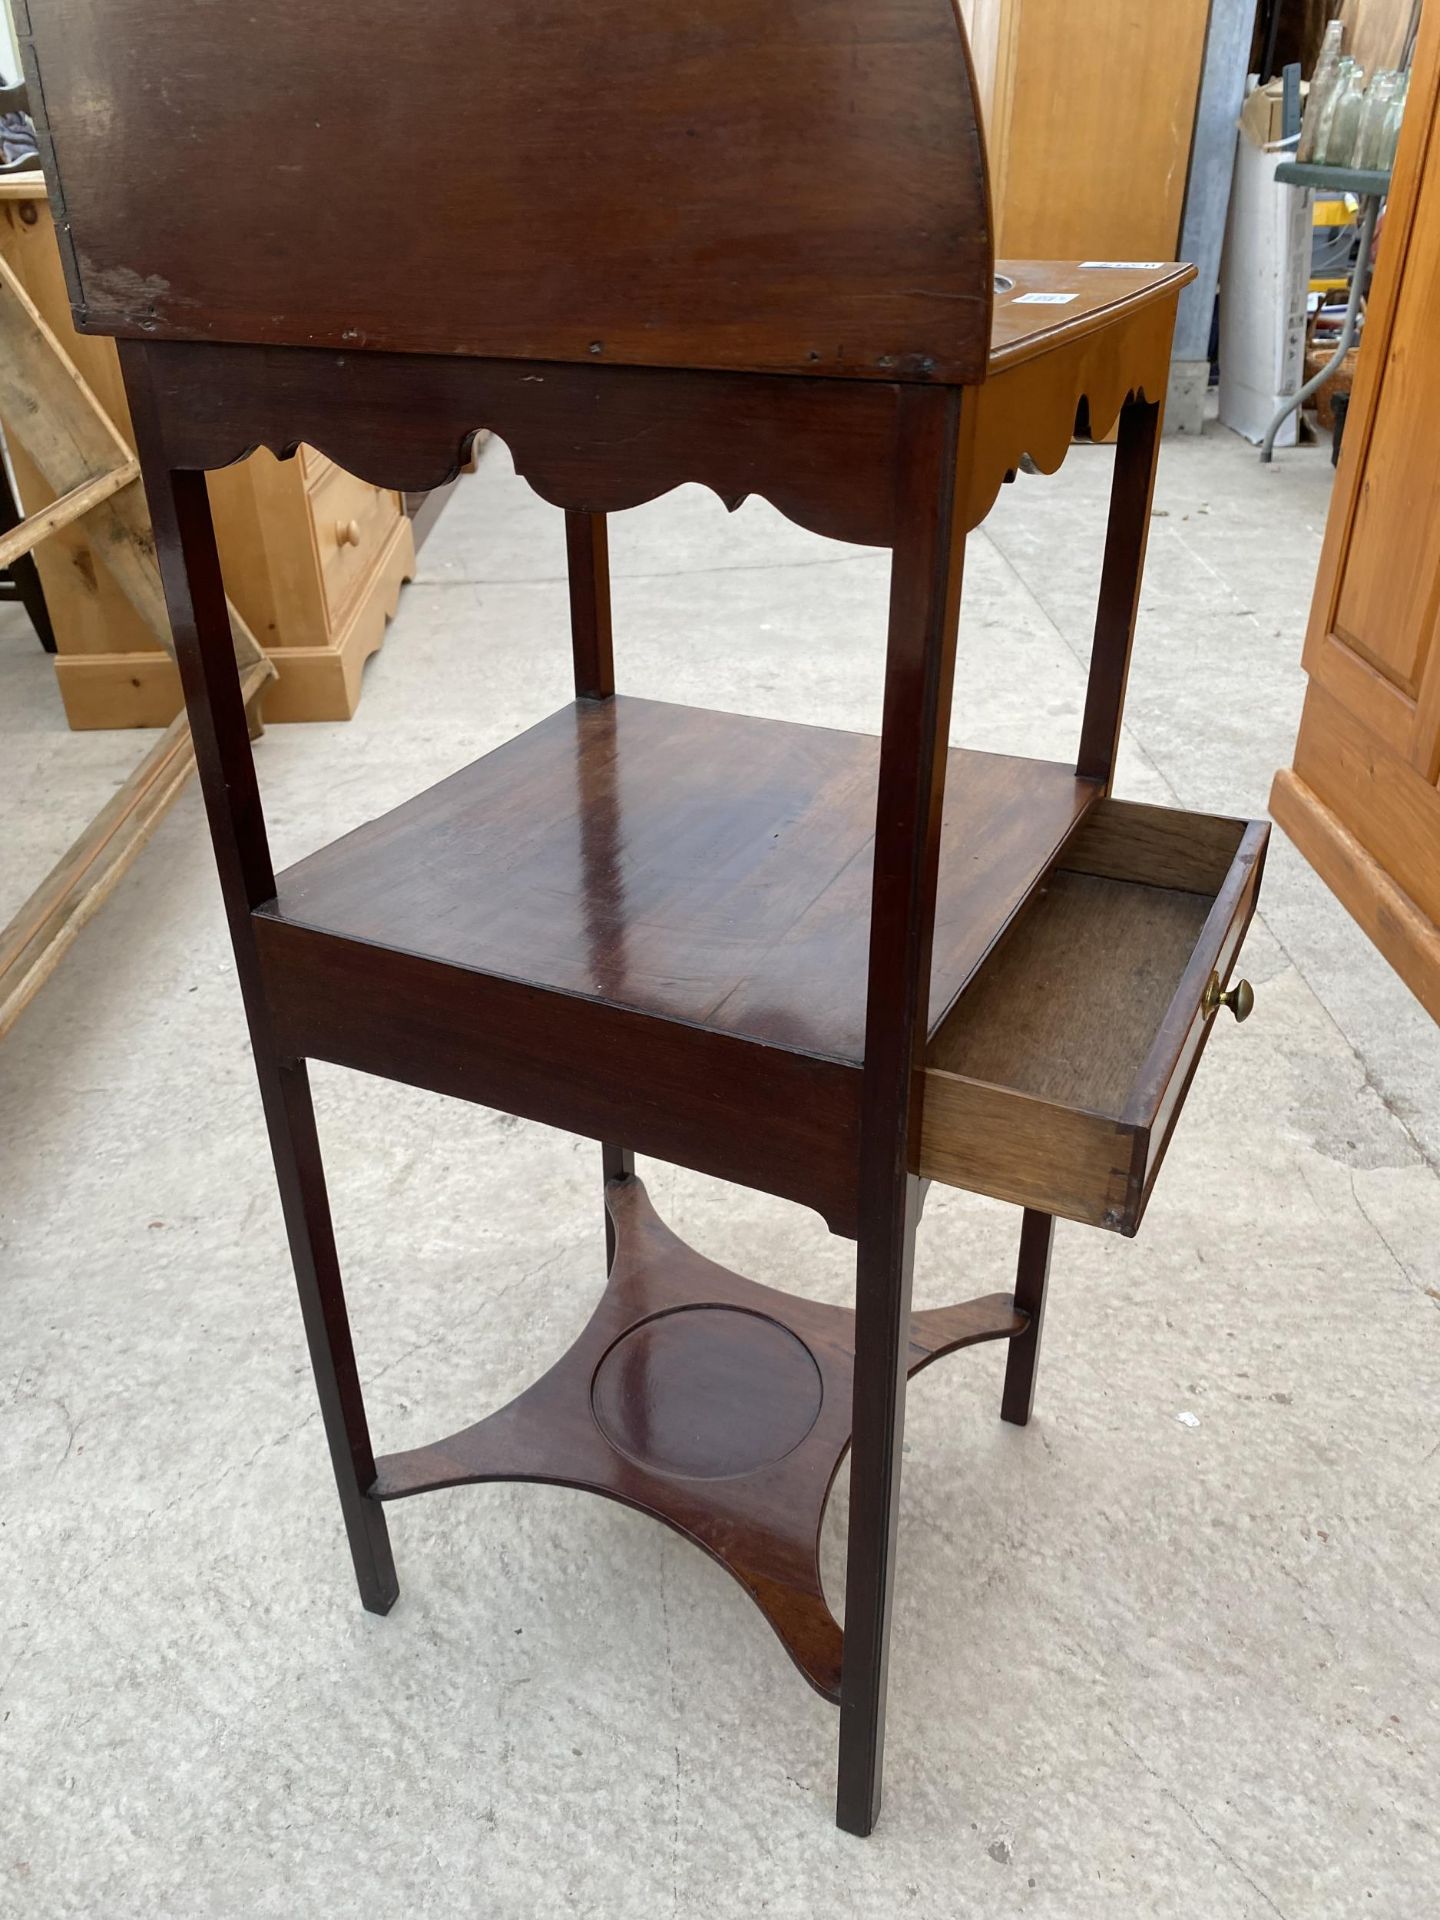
<point x="589" y="439"/>
<point x="700" y="867"/>
<point x="795" y="188"/>
<point x="1108" y="348"/>
<point x="1364" y="799"/>
<point x="1077" y="300"/>
<point x="715" y="1404"/>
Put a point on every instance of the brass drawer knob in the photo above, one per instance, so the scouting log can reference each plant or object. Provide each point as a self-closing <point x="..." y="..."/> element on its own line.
<point x="1240" y="998"/>
<point x="347" y="533"/>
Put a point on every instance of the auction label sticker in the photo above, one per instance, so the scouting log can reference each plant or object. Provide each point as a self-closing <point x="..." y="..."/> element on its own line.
<point x="1044" y="299"/>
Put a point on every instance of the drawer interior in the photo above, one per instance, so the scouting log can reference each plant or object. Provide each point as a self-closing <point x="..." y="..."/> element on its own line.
<point x="1055" y="1077"/>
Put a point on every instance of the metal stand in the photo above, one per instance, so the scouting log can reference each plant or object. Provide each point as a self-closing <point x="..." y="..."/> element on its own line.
<point x="1371" y="189"/>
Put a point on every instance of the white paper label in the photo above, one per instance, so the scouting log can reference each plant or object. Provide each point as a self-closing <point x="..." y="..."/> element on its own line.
<point x="1127" y="266"/>
<point x="1044" y="299"/>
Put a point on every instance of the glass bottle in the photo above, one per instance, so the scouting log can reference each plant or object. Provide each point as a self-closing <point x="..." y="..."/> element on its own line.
<point x="1322" y="86"/>
<point x="1370" y="140"/>
<point x="1394" y="114"/>
<point x="1344" y="122"/>
<point x="1331" y="101"/>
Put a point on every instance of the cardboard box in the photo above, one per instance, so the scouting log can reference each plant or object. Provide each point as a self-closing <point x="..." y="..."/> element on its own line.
<point x="1262" y="118"/>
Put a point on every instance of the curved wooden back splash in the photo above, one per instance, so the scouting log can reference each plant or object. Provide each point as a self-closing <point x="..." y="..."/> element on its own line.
<point x="792" y="186"/>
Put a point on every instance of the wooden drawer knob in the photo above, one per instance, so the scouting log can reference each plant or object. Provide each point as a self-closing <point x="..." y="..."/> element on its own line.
<point x="1240" y="998"/>
<point x="347" y="533"/>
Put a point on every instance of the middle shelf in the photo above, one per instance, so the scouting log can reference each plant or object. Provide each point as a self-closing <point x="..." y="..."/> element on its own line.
<point x="649" y="923"/>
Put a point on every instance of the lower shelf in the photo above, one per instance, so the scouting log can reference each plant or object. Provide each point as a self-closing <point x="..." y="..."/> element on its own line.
<point x="708" y="1401"/>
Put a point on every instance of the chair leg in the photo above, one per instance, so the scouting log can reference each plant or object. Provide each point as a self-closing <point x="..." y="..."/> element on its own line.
<point x="882" y="1329"/>
<point x="1032" y="1276"/>
<point x="295" y="1145"/>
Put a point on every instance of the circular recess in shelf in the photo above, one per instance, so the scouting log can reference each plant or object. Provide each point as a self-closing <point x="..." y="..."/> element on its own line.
<point x="706" y="1392"/>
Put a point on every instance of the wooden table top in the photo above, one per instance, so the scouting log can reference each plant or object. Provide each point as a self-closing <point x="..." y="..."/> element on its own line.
<point x="1053" y="302"/>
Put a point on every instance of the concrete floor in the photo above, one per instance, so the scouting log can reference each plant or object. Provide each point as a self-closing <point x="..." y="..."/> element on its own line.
<point x="1172" y="1651"/>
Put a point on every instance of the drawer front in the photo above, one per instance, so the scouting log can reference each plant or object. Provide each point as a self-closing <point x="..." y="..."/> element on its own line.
<point x="353" y="520"/>
<point x="1056" y="1080"/>
<point x="1165" y="1081"/>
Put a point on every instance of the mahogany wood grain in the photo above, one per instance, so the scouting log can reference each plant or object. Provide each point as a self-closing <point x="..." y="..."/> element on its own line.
<point x="591" y="439"/>
<point x="797" y="188"/>
<point x="1127" y="536"/>
<point x="587" y="560"/>
<point x="662" y="1087"/>
<point x="712" y="1403"/>
<point x="687" y="893"/>
<point x="204" y="648"/>
<point x="919" y="680"/>
<point x="1032" y="1280"/>
<point x="746" y="246"/>
<point x="703" y="867"/>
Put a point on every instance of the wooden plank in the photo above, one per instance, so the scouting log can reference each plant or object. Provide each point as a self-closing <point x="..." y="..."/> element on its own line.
<point x="48" y="924"/>
<point x="53" y="415"/>
<point x="49" y="408"/>
<point x="60" y="513"/>
<point x="1378" y="32"/>
<point x="1382" y="799"/>
<point x="1404" y="934"/>
<point x="1028" y="1151"/>
<point x="1161" y="846"/>
<point x="1089" y="114"/>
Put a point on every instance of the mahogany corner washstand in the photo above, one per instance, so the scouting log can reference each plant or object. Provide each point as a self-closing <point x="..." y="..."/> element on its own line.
<point x="741" y="244"/>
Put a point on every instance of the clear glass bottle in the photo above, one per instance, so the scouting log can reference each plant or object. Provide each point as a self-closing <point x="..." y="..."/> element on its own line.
<point x="1370" y="140"/>
<point x="1322" y="86"/>
<point x="1344" y="121"/>
<point x="1394" y="114"/>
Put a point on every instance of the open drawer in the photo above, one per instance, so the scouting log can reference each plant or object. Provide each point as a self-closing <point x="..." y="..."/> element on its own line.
<point x="1056" y="1077"/>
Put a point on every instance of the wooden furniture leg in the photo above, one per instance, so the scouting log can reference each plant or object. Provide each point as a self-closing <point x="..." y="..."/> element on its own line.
<point x="1127" y="533"/>
<point x="919" y="675"/>
<point x="199" y="619"/>
<point x="1032" y="1275"/>
<point x="587" y="556"/>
